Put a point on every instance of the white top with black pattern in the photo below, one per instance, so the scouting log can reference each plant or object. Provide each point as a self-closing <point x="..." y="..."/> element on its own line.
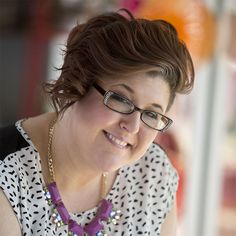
<point x="144" y="192"/>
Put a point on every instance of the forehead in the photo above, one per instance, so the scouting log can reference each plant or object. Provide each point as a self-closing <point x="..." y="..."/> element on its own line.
<point x="143" y="87"/>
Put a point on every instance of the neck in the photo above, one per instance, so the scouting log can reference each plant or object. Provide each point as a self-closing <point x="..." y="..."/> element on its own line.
<point x="70" y="171"/>
<point x="74" y="183"/>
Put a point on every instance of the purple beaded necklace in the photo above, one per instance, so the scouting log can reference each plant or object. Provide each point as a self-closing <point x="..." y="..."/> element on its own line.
<point x="61" y="216"/>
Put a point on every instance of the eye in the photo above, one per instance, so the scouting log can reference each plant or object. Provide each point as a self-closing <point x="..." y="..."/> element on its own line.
<point x="152" y="115"/>
<point x="120" y="99"/>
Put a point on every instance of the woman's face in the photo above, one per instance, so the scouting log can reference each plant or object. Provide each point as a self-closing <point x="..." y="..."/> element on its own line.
<point x="104" y="140"/>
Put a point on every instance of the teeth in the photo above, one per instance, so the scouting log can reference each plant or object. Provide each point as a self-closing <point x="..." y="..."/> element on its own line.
<point x="117" y="141"/>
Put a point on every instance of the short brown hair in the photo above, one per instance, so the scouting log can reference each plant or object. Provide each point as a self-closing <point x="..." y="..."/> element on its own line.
<point x="114" y="44"/>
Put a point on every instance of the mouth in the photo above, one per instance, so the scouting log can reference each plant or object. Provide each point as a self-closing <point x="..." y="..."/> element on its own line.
<point x="116" y="141"/>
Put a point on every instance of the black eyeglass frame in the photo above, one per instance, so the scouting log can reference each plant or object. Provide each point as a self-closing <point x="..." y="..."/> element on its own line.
<point x="104" y="93"/>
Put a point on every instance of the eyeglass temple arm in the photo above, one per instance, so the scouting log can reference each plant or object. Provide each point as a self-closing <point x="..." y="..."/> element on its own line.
<point x="99" y="89"/>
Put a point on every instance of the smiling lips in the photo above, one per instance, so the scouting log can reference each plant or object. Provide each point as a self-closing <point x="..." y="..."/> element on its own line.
<point x="116" y="141"/>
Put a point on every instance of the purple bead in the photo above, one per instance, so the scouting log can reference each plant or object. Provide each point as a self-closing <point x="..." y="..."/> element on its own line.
<point x="105" y="209"/>
<point x="75" y="228"/>
<point x="55" y="195"/>
<point x="93" y="227"/>
<point x="64" y="214"/>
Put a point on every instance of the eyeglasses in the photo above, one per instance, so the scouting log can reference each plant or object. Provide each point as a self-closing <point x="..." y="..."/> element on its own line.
<point x="122" y="105"/>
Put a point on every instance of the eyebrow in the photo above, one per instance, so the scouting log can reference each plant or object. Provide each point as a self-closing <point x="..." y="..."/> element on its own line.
<point x="127" y="88"/>
<point x="132" y="91"/>
<point x="157" y="106"/>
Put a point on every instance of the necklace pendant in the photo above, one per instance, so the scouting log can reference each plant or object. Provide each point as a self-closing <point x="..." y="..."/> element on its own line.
<point x="56" y="218"/>
<point x="47" y="196"/>
<point x="101" y="233"/>
<point x="60" y="216"/>
<point x="75" y="229"/>
<point x="94" y="227"/>
<point x="114" y="216"/>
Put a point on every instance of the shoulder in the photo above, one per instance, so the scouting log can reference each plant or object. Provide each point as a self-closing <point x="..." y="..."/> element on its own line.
<point x="16" y="156"/>
<point x="20" y="180"/>
<point x="154" y="171"/>
<point x="147" y="188"/>
<point x="166" y="176"/>
<point x="154" y="162"/>
<point x="159" y="176"/>
<point x="11" y="140"/>
<point x="28" y="132"/>
<point x="156" y="159"/>
<point x="19" y="160"/>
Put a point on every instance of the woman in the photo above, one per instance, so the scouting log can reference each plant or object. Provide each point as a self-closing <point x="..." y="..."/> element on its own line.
<point x="91" y="166"/>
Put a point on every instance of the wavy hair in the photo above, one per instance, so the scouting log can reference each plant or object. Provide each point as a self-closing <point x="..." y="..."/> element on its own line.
<point x="116" y="44"/>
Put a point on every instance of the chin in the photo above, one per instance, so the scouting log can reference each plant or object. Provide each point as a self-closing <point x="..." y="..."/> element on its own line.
<point x="109" y="166"/>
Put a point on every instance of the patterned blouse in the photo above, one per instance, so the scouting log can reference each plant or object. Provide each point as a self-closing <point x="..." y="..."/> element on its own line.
<point x="144" y="191"/>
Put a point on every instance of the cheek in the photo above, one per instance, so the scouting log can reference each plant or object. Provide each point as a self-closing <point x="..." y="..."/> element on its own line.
<point x="95" y="115"/>
<point x="146" y="138"/>
<point x="147" y="134"/>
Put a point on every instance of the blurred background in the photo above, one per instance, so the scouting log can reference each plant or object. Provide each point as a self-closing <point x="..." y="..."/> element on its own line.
<point x="202" y="142"/>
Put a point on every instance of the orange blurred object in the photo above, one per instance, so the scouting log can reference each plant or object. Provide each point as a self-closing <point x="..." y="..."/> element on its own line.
<point x="194" y="22"/>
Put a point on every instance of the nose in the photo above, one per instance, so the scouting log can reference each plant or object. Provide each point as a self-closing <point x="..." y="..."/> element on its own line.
<point x="131" y="123"/>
